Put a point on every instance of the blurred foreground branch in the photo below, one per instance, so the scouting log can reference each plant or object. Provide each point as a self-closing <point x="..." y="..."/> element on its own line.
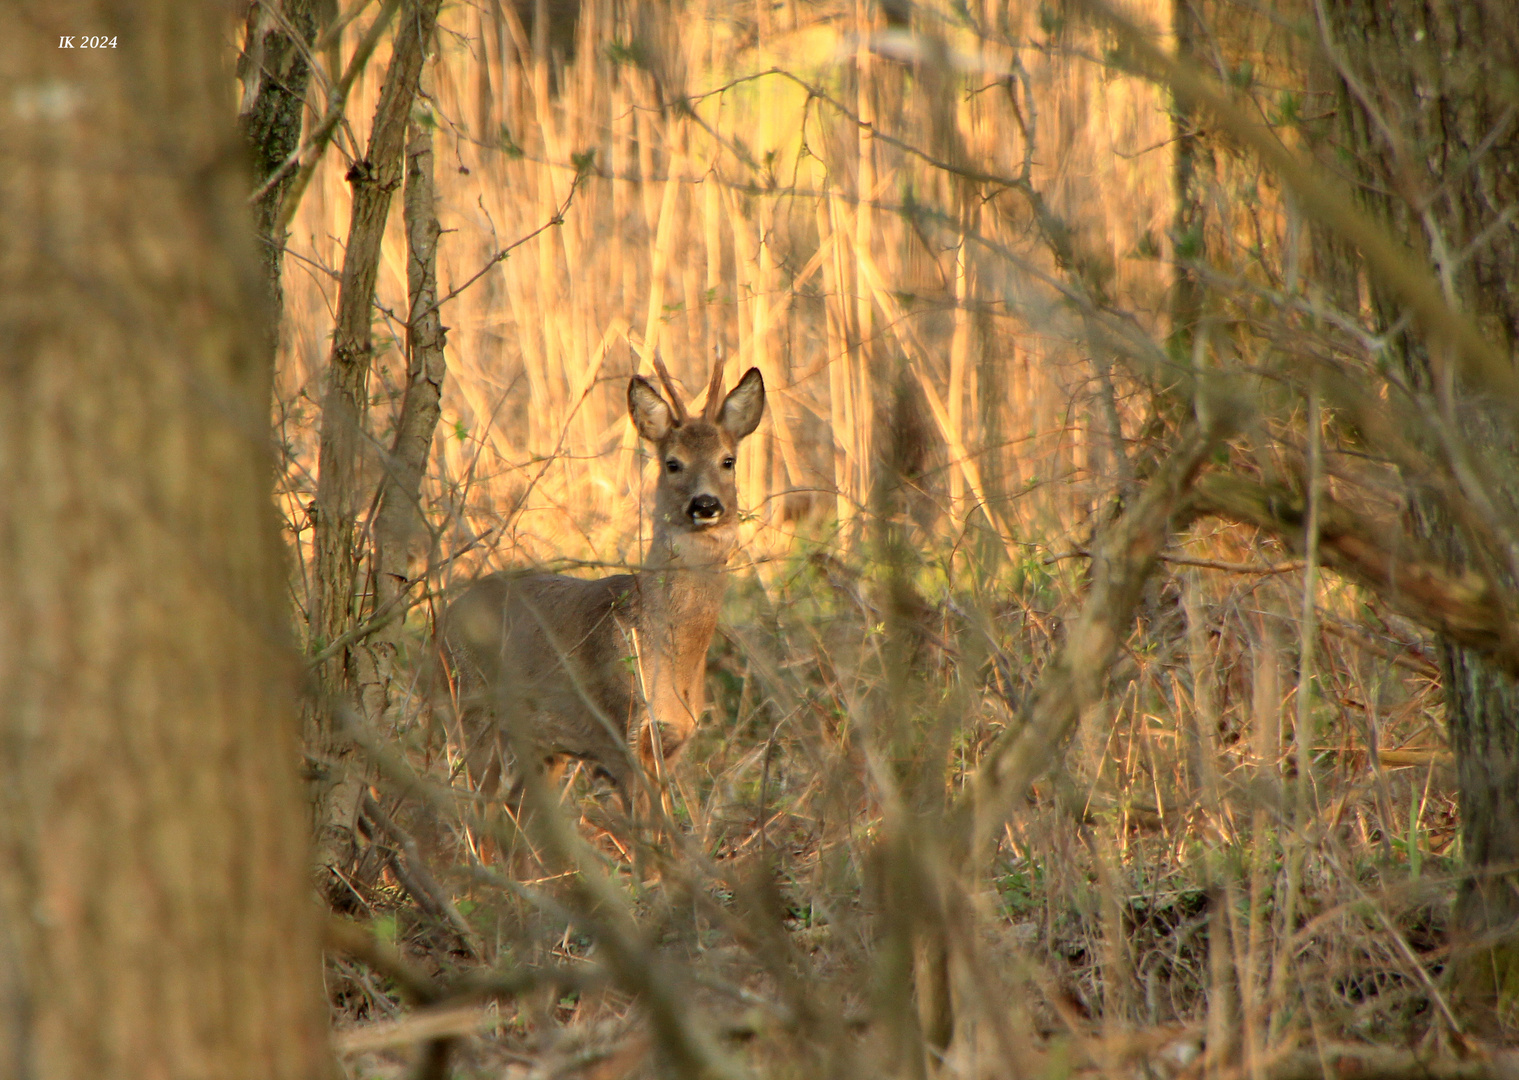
<point x="1075" y="677"/>
<point x="1467" y="607"/>
<point x="1487" y="366"/>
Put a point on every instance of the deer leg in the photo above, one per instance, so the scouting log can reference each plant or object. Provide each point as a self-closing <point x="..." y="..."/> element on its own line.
<point x="659" y="744"/>
<point x="487" y="772"/>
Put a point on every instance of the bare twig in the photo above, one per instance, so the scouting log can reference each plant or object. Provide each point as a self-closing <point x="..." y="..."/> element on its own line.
<point x="322" y="132"/>
<point x="504" y="253"/>
<point x="395" y="608"/>
<point x="1186" y="560"/>
<point x="351" y="939"/>
<point x="1409" y="656"/>
<point x="418" y="879"/>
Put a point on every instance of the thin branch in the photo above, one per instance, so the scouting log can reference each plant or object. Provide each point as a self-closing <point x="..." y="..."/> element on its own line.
<point x="316" y="144"/>
<point x="504" y="253"/>
<point x="1185" y="560"/>
<point x="391" y="610"/>
<point x="1405" y="656"/>
<point x="351" y="939"/>
<point x="1467" y="607"/>
<point x="419" y="880"/>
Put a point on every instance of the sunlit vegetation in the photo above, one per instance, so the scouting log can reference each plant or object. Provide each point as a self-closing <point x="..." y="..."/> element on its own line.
<point x="998" y="265"/>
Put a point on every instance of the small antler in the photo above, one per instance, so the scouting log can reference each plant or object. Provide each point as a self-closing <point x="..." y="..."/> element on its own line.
<point x="715" y="387"/>
<point x="669" y="385"/>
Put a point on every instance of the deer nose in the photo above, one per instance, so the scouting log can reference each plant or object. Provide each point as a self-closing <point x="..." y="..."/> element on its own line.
<point x="705" y="509"/>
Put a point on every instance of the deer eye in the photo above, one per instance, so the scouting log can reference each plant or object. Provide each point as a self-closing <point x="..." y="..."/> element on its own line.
<point x="673" y="465"/>
<point x="728" y="462"/>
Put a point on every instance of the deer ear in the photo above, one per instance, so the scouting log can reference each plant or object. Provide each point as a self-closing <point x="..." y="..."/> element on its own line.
<point x="651" y="415"/>
<point x="744" y="405"/>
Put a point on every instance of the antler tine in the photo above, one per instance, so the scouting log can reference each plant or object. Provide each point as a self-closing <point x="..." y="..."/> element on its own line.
<point x="715" y="386"/>
<point x="669" y="385"/>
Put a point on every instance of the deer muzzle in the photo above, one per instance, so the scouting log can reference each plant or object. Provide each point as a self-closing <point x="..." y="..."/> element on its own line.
<point x="705" y="510"/>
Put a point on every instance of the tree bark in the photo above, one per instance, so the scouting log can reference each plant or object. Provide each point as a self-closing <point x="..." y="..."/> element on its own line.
<point x="336" y="778"/>
<point x="399" y="524"/>
<point x="1425" y="112"/>
<point x="155" y="918"/>
<point x="275" y="70"/>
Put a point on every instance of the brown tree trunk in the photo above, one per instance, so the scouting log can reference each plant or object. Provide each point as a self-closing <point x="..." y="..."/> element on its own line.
<point x="155" y="918"/>
<point x="275" y="71"/>
<point x="1422" y="109"/>
<point x="336" y="777"/>
<point x="399" y="525"/>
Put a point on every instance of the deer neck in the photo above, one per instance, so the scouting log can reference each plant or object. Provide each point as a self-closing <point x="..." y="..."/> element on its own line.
<point x="681" y="587"/>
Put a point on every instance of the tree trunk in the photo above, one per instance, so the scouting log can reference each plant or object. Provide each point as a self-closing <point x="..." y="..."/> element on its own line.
<point x="399" y="525"/>
<point x="337" y="780"/>
<point x="1191" y="171"/>
<point x="275" y="71"/>
<point x="1482" y="719"/>
<point x="1422" y="108"/>
<point x="155" y="918"/>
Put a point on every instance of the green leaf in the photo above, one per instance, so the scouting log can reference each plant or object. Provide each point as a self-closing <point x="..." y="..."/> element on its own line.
<point x="507" y="144"/>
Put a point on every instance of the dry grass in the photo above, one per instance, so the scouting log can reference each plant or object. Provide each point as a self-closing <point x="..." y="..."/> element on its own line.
<point x="1245" y="849"/>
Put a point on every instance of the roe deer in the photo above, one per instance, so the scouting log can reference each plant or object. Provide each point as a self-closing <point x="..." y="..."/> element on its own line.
<point x="599" y="670"/>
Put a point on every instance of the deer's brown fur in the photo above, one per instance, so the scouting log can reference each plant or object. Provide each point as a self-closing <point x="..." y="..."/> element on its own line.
<point x="556" y="666"/>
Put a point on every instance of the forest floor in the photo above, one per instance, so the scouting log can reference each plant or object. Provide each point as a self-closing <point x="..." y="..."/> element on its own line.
<point x="1178" y="898"/>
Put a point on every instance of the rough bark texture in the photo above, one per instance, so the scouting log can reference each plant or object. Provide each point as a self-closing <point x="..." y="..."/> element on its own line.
<point x="336" y="781"/>
<point x="399" y="525"/>
<point x="155" y="918"/>
<point x="275" y="71"/>
<point x="1427" y="111"/>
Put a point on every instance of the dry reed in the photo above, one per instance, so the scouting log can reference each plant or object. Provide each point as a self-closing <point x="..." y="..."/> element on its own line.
<point x="1242" y="850"/>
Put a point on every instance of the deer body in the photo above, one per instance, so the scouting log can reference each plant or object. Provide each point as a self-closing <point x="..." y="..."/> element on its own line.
<point x="606" y="669"/>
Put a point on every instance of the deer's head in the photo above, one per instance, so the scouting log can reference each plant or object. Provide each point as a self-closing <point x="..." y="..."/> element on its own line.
<point x="697" y="494"/>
